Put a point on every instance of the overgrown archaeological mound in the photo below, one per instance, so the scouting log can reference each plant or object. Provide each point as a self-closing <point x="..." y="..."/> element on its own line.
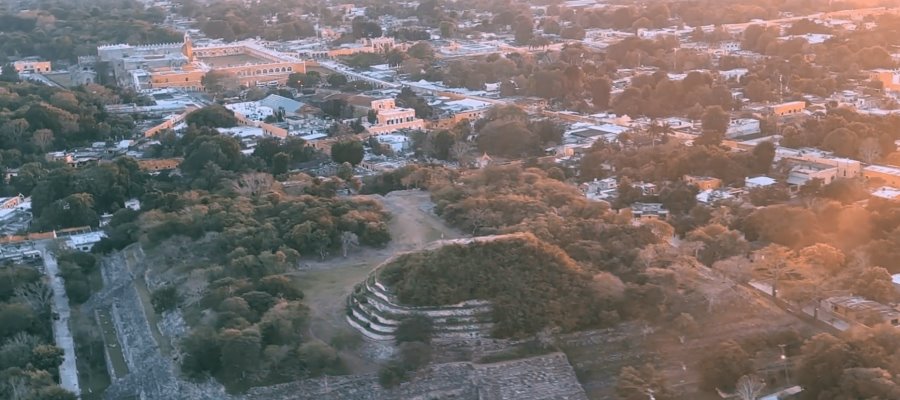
<point x="530" y="284"/>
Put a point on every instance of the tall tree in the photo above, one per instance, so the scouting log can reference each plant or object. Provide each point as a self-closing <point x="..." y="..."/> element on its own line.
<point x="8" y="73"/>
<point x="775" y="263"/>
<point x="351" y="151"/>
<point x="240" y="353"/>
<point x="749" y="387"/>
<point x="715" y="119"/>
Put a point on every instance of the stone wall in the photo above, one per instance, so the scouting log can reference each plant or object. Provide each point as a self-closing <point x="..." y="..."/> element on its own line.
<point x="151" y="375"/>
<point x="375" y="312"/>
<point x="539" y="378"/>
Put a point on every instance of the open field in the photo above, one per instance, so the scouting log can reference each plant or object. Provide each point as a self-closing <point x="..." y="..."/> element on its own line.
<point x="111" y="343"/>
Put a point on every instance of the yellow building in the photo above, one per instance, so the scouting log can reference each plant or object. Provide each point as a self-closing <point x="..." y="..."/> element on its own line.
<point x="703" y="182"/>
<point x="789" y="108"/>
<point x="889" y="78"/>
<point x="183" y="66"/>
<point x="889" y="175"/>
<point x="391" y="118"/>
<point x="379" y="45"/>
<point x="32" y="66"/>
<point x="160" y="164"/>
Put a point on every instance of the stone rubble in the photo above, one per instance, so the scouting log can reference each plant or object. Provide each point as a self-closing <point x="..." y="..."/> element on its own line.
<point x="151" y="375"/>
<point x="538" y="378"/>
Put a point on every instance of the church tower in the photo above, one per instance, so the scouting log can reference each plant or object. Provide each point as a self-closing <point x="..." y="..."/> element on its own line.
<point x="188" y="48"/>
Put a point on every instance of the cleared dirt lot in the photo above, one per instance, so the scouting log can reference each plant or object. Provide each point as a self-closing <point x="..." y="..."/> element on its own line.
<point x="327" y="283"/>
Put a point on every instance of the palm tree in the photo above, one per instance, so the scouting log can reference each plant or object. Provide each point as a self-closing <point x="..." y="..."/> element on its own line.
<point x="665" y="130"/>
<point x="653" y="131"/>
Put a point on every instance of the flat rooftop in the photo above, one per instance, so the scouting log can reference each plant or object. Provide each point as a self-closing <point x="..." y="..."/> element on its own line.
<point x="233" y="60"/>
<point x="883" y="169"/>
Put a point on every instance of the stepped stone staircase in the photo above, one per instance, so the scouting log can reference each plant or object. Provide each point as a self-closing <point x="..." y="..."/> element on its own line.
<point x="374" y="310"/>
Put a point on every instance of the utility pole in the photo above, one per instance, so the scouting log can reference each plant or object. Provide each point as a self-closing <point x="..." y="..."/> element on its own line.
<point x="780" y="88"/>
<point x="787" y="378"/>
<point x="675" y="61"/>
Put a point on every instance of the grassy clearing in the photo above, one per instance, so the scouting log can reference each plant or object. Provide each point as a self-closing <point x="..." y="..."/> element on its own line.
<point x="111" y="343"/>
<point x="93" y="376"/>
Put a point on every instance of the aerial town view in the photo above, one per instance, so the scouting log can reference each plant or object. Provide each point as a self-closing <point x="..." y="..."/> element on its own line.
<point x="449" y="199"/>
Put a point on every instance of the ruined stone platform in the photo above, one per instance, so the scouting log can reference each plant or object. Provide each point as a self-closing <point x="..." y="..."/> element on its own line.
<point x="538" y="378"/>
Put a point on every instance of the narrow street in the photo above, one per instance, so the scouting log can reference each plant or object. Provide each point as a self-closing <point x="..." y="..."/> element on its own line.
<point x="68" y="371"/>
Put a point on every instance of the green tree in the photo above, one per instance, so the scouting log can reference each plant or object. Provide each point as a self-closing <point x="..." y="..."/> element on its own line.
<point x="421" y="50"/>
<point x="8" y="73"/>
<point x="722" y="367"/>
<point x="337" y="80"/>
<point x="280" y="163"/>
<point x="415" y="328"/>
<point x="240" y="353"/>
<point x="351" y="151"/>
<point x="222" y="151"/>
<point x="523" y="29"/>
<point x="823" y="360"/>
<point x="345" y="171"/>
<point x="212" y="116"/>
<point x="53" y="393"/>
<point x="391" y="375"/>
<point x="164" y="299"/>
<point x="719" y="243"/>
<point x="72" y="211"/>
<point x="763" y="155"/>
<point x="202" y="353"/>
<point x="319" y="358"/>
<point x="46" y="357"/>
<point x="508" y="138"/>
<point x="308" y="80"/>
<point x="448" y="29"/>
<point x="550" y="26"/>
<point x="15" y="318"/>
<point x="715" y="119"/>
<point x="600" y="92"/>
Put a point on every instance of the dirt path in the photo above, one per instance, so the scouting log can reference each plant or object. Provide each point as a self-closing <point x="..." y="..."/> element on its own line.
<point x="327" y="283"/>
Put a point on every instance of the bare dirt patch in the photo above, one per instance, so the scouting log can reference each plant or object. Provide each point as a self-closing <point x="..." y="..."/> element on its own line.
<point x="327" y="283"/>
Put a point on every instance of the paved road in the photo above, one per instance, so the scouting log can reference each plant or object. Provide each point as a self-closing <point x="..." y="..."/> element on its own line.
<point x="825" y="318"/>
<point x="68" y="371"/>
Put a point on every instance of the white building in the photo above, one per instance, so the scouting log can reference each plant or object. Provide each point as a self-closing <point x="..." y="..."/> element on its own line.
<point x="742" y="127"/>
<point x="397" y="143"/>
<point x="887" y="193"/>
<point x="84" y="241"/>
<point x="758" y="182"/>
<point x="733" y="74"/>
<point x="600" y="189"/>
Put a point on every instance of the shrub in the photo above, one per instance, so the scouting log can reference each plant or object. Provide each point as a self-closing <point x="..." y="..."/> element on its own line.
<point x="164" y="299"/>
<point x="415" y="328"/>
<point x="391" y="375"/>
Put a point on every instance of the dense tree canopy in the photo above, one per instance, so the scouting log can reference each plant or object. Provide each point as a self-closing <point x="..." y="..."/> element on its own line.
<point x="35" y="118"/>
<point x="64" y="30"/>
<point x="549" y="289"/>
<point x="29" y="362"/>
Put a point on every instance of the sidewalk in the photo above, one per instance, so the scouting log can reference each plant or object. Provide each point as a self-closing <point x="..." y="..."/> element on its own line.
<point x="68" y="371"/>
